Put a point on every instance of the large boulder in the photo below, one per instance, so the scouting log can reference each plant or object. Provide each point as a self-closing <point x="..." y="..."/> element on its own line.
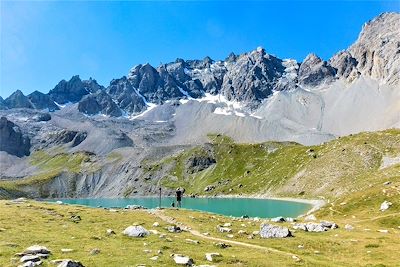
<point x="182" y="260"/>
<point x="12" y="140"/>
<point x="273" y="231"/>
<point x="136" y="231"/>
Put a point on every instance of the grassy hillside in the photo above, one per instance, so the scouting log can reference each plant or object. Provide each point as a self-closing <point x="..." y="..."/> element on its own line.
<point x="286" y="169"/>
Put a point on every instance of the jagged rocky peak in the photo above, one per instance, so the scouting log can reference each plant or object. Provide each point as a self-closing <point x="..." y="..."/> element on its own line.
<point x="99" y="103"/>
<point x="377" y="49"/>
<point x="126" y="96"/>
<point x="42" y="101"/>
<point x="73" y="90"/>
<point x="253" y="77"/>
<point x="345" y="65"/>
<point x="12" y="140"/>
<point x="314" y="71"/>
<point x="17" y="100"/>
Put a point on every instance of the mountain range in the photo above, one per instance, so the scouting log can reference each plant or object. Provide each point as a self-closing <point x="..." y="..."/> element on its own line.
<point x="251" y="97"/>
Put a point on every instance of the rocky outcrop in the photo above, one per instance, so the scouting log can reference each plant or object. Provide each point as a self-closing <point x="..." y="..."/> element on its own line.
<point x="252" y="77"/>
<point x="126" y="96"/>
<point x="73" y="90"/>
<point x="345" y="65"/>
<point x="12" y="140"/>
<point x="377" y="49"/>
<point x="17" y="100"/>
<point x="97" y="103"/>
<point x="42" y="101"/>
<point x="314" y="71"/>
<point x="198" y="163"/>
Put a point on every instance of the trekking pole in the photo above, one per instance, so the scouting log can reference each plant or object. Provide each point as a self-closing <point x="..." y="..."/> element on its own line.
<point x="160" y="199"/>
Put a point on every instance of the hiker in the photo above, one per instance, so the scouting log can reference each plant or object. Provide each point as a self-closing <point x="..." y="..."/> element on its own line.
<point x="179" y="193"/>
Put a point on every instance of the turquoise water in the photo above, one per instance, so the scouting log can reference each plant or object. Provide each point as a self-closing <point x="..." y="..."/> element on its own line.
<point x="262" y="208"/>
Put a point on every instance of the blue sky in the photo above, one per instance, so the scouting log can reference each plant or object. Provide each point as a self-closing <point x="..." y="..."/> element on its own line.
<point x="43" y="42"/>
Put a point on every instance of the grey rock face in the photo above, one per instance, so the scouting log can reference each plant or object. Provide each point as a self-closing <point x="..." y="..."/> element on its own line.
<point x="2" y="104"/>
<point x="314" y="71"/>
<point x="198" y="163"/>
<point x="377" y="49"/>
<point x="273" y="231"/>
<point x="73" y="90"/>
<point x="17" y="100"/>
<point x="156" y="85"/>
<point x="100" y="102"/>
<point x="346" y="65"/>
<point x="126" y="96"/>
<point x="252" y="77"/>
<point x="42" y="101"/>
<point x="12" y="140"/>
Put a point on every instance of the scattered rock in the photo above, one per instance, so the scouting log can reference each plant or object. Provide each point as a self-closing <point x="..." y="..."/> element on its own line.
<point x="192" y="241"/>
<point x="310" y="217"/>
<point x="315" y="227"/>
<point x="273" y="231"/>
<point x="59" y="202"/>
<point x="229" y="236"/>
<point x="174" y="229"/>
<point x="69" y="263"/>
<point x="348" y="227"/>
<point x="75" y="218"/>
<point x="213" y="256"/>
<point x="227" y="225"/>
<point x="154" y="232"/>
<point x="134" y="207"/>
<point x="154" y="258"/>
<point x="95" y="251"/>
<point x="224" y="229"/>
<point x="222" y="245"/>
<point x="277" y="219"/>
<point x="209" y="188"/>
<point x="385" y="205"/>
<point x="182" y="260"/>
<point x="383" y="231"/>
<point x="156" y="224"/>
<point x="27" y="258"/>
<point x="66" y="250"/>
<point x="110" y="232"/>
<point x="387" y="183"/>
<point x="136" y="231"/>
<point x="36" y="249"/>
<point x="242" y="232"/>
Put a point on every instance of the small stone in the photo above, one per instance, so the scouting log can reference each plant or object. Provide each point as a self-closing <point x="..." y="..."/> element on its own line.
<point x="224" y="230"/>
<point x="147" y="251"/>
<point x="154" y="258"/>
<point x="27" y="258"/>
<point x="213" y="256"/>
<point x="183" y="260"/>
<point x="310" y="217"/>
<point x="317" y="252"/>
<point x="156" y="224"/>
<point x="242" y="232"/>
<point x="256" y="232"/>
<point x="66" y="250"/>
<point x="70" y="263"/>
<point x="222" y="245"/>
<point x="300" y="246"/>
<point x="192" y="241"/>
<point x="387" y="183"/>
<point x="206" y="233"/>
<point x="36" y="249"/>
<point x="110" y="232"/>
<point x="348" y="227"/>
<point x="174" y="229"/>
<point x="59" y="202"/>
<point x="383" y="231"/>
<point x="227" y="225"/>
<point x="277" y="219"/>
<point x="296" y="258"/>
<point x="385" y="205"/>
<point x="95" y="251"/>
<point x="229" y="236"/>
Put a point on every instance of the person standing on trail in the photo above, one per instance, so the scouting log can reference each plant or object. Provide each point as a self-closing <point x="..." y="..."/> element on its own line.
<point x="179" y="193"/>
